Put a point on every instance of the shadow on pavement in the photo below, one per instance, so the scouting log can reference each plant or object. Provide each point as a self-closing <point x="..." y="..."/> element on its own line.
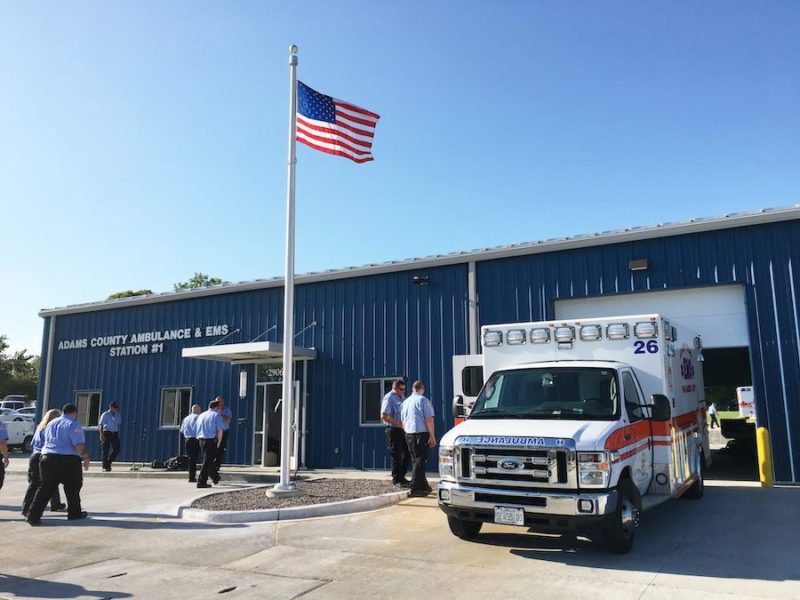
<point x="134" y="521"/>
<point x="41" y="588"/>
<point x="737" y="532"/>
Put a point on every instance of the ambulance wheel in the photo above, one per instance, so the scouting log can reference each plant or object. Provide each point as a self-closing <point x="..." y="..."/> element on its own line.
<point x="27" y="444"/>
<point x="466" y="530"/>
<point x="619" y="534"/>
<point x="696" y="491"/>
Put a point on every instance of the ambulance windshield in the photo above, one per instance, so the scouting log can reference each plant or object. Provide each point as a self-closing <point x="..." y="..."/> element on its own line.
<point x="576" y="393"/>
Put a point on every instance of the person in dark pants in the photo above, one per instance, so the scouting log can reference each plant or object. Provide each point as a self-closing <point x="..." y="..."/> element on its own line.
<point x="209" y="428"/>
<point x="34" y="480"/>
<point x="227" y="418"/>
<point x="62" y="453"/>
<point x="417" y="417"/>
<point x="189" y="431"/>
<point x="108" y="425"/>
<point x="395" y="436"/>
<point x="4" y="452"/>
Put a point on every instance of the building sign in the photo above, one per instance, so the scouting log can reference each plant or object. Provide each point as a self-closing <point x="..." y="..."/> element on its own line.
<point x="145" y="342"/>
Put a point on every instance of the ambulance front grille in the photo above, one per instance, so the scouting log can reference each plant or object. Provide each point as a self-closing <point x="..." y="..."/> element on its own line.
<point x="517" y="467"/>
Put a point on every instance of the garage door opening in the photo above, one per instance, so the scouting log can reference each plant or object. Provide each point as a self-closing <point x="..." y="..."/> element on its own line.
<point x="719" y="314"/>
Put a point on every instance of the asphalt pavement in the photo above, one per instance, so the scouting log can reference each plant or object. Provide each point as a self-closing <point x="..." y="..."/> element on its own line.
<point x="738" y="542"/>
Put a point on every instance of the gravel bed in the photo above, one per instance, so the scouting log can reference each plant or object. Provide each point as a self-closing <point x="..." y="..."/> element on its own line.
<point x="316" y="491"/>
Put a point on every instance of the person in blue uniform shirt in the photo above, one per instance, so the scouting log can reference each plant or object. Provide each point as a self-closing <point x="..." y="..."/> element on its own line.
<point x="63" y="451"/>
<point x="108" y="426"/>
<point x="3" y="451"/>
<point x="34" y="480"/>
<point x="209" y="427"/>
<point x="417" y="416"/>
<point x="227" y="417"/>
<point x="395" y="436"/>
<point x="189" y="431"/>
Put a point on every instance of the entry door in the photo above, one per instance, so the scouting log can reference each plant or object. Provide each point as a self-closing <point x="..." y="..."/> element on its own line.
<point x="267" y="418"/>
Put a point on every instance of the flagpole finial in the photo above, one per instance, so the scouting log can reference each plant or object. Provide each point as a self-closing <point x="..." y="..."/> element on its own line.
<point x="292" y="49"/>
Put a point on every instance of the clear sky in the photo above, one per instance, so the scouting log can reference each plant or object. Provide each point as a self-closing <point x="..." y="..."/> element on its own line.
<point x="141" y="141"/>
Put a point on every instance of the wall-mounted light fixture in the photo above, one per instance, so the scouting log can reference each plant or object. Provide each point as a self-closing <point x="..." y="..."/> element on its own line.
<point x="639" y="264"/>
<point x="421" y="280"/>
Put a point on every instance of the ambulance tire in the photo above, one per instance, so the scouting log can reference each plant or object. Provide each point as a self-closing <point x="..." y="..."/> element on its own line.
<point x="465" y="530"/>
<point x="698" y="487"/>
<point x="619" y="534"/>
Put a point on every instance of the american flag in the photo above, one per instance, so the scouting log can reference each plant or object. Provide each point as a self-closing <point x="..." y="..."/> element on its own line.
<point x="333" y="126"/>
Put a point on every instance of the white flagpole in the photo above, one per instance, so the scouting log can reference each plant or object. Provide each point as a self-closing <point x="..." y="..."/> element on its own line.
<point x="285" y="486"/>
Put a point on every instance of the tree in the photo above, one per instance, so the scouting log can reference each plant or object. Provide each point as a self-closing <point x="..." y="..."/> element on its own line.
<point x="19" y="371"/>
<point x="197" y="281"/>
<point x="129" y="294"/>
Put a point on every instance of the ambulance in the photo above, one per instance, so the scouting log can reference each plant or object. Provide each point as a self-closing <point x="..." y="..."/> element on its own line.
<point x="746" y="402"/>
<point x="580" y="426"/>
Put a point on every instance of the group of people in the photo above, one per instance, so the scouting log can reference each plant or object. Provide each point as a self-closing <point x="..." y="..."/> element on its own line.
<point x="409" y="434"/>
<point x="206" y="432"/>
<point x="59" y="448"/>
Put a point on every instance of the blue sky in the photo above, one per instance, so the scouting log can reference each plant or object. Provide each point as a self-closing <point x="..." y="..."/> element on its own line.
<point x="143" y="141"/>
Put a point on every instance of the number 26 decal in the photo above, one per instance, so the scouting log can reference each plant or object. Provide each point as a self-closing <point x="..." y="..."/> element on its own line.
<point x="639" y="347"/>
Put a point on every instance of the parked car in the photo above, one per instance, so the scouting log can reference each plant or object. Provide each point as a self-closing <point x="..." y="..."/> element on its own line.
<point x="28" y="410"/>
<point x="14" y="401"/>
<point x="20" y="430"/>
<point x="14" y="415"/>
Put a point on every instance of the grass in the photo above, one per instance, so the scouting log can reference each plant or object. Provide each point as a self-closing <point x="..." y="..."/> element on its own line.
<point x="724" y="414"/>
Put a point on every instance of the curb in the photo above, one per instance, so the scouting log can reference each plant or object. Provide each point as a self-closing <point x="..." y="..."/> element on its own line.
<point x="344" y="507"/>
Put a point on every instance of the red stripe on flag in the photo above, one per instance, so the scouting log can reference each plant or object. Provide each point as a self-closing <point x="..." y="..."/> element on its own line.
<point x="335" y="142"/>
<point x="341" y="115"/>
<point x="309" y="129"/>
<point x="336" y="152"/>
<point x="355" y="108"/>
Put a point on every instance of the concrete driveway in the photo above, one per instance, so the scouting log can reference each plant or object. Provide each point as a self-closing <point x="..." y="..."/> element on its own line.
<point x="738" y="542"/>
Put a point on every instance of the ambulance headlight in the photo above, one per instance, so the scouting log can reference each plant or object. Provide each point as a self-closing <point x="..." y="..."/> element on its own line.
<point x="446" y="463"/>
<point x="493" y="338"/>
<point x="593" y="469"/>
<point x="617" y="331"/>
<point x="515" y="337"/>
<point x="565" y="334"/>
<point x="591" y="333"/>
<point x="540" y="335"/>
<point x="645" y="330"/>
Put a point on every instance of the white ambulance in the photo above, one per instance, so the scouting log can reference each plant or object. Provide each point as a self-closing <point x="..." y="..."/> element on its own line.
<point x="580" y="426"/>
<point x="746" y="402"/>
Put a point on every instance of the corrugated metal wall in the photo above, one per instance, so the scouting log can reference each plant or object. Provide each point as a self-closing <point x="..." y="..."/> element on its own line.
<point x="366" y="327"/>
<point x="764" y="258"/>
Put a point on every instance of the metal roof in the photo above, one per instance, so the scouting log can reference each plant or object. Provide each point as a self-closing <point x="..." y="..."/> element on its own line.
<point x="727" y="221"/>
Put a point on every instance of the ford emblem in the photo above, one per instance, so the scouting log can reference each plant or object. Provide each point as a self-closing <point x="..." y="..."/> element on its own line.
<point x="510" y="465"/>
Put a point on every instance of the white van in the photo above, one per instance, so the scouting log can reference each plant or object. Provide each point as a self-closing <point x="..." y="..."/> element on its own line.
<point x="580" y="426"/>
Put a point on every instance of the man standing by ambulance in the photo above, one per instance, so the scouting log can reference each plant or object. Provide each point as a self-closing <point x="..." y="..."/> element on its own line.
<point x="3" y="451"/>
<point x="395" y="436"/>
<point x="417" y="417"/>
<point x="226" y="415"/>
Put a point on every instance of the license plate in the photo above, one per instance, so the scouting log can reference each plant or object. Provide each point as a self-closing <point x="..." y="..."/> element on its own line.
<point x="506" y="515"/>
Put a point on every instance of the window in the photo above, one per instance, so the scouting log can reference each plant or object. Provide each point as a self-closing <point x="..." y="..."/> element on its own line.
<point x="88" y="408"/>
<point x="372" y="393"/>
<point x="472" y="380"/>
<point x="633" y="403"/>
<point x="175" y="405"/>
<point x="577" y="393"/>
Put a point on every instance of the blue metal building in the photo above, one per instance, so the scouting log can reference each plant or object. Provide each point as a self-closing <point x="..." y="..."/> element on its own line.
<point x="360" y="327"/>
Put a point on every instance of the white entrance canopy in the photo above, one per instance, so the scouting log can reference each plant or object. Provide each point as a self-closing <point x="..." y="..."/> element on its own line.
<point x="248" y="353"/>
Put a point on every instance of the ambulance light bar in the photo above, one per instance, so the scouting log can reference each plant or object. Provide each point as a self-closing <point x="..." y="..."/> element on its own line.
<point x="540" y="335"/>
<point x="515" y="337"/>
<point x="591" y="333"/>
<point x="565" y="334"/>
<point x="617" y="331"/>
<point x="645" y="329"/>
<point x="493" y="338"/>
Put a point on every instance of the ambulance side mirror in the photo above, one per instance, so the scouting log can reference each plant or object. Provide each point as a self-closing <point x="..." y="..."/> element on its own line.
<point x="458" y="406"/>
<point x="660" y="408"/>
